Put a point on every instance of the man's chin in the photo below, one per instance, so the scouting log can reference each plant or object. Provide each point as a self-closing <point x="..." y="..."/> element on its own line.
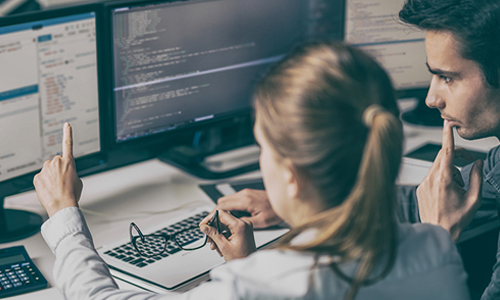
<point x="468" y="135"/>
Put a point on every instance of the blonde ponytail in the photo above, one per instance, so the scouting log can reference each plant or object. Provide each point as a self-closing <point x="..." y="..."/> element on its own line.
<point x="363" y="226"/>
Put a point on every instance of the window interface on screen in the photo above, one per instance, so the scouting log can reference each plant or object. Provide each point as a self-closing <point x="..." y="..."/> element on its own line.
<point x="374" y="26"/>
<point x="49" y="76"/>
<point x="180" y="63"/>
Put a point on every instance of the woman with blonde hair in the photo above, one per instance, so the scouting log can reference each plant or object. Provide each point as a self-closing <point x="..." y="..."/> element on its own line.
<point x="331" y="145"/>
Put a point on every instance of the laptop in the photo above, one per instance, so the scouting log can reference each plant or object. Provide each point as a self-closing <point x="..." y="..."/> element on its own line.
<point x="175" y="268"/>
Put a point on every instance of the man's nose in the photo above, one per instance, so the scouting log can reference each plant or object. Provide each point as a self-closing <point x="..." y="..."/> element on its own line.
<point x="435" y="98"/>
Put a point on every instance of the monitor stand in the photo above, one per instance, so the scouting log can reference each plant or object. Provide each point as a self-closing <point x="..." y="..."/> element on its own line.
<point x="212" y="165"/>
<point x="17" y="224"/>
<point x="422" y="115"/>
<point x="207" y="156"/>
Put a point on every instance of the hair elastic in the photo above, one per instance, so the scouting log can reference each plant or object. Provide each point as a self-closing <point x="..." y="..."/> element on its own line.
<point x="370" y="113"/>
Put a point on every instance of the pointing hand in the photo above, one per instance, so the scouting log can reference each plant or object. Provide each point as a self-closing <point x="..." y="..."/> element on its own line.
<point x="57" y="185"/>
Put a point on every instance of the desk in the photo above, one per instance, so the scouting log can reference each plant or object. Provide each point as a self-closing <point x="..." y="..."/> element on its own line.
<point x="116" y="197"/>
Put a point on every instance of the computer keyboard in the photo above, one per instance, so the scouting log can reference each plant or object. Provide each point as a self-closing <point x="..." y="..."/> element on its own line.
<point x="127" y="252"/>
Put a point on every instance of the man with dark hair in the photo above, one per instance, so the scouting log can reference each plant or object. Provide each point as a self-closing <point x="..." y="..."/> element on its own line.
<point x="463" y="55"/>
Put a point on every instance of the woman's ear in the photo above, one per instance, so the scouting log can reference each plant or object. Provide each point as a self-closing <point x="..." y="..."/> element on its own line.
<point x="292" y="179"/>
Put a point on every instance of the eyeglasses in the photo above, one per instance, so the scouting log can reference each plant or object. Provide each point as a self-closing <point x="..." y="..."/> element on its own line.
<point x="189" y="239"/>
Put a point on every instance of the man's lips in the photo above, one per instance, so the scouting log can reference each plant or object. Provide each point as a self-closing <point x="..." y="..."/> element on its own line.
<point x="452" y="123"/>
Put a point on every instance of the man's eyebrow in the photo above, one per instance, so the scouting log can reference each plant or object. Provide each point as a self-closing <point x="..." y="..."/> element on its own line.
<point x="441" y="72"/>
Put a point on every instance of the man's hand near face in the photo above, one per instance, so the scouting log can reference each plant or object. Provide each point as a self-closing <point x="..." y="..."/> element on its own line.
<point x="441" y="197"/>
<point x="57" y="185"/>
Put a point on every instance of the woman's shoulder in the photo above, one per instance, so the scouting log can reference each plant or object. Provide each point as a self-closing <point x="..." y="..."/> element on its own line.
<point x="425" y="255"/>
<point x="279" y="272"/>
<point x="270" y="263"/>
<point x="425" y="235"/>
<point x="425" y="247"/>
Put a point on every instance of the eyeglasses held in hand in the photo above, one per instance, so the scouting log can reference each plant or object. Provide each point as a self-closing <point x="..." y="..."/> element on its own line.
<point x="156" y="244"/>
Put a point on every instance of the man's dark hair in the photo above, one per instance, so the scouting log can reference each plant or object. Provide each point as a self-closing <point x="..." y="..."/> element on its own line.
<point x="475" y="24"/>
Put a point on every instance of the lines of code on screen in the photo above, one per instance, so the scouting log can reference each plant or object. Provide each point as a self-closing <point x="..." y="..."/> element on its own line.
<point x="178" y="63"/>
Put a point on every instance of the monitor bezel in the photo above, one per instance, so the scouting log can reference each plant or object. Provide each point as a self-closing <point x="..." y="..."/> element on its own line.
<point x="90" y="163"/>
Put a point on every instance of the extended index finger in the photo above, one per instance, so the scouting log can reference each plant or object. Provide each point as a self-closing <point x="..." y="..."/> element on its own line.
<point x="67" y="144"/>
<point x="448" y="146"/>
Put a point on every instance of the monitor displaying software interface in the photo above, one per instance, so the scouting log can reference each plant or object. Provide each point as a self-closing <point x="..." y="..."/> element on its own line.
<point x="49" y="76"/>
<point x="374" y="26"/>
<point x="184" y="62"/>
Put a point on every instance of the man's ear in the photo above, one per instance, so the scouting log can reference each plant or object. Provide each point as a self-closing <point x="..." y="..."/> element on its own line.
<point x="292" y="179"/>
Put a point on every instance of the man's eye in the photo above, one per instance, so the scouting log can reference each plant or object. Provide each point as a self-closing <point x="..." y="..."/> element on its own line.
<point x="447" y="79"/>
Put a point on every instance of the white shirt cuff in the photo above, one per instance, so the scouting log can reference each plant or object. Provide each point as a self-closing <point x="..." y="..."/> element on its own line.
<point x="65" y="222"/>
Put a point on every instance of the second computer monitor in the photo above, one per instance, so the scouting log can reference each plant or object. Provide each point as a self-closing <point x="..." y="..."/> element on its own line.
<point x="177" y="64"/>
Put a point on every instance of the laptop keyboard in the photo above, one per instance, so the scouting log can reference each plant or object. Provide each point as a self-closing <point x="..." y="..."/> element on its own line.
<point x="127" y="252"/>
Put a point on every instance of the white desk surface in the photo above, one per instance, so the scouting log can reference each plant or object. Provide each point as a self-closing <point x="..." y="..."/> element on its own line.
<point x="135" y="192"/>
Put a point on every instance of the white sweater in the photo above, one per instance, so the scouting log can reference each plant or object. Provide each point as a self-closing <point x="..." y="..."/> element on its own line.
<point x="427" y="267"/>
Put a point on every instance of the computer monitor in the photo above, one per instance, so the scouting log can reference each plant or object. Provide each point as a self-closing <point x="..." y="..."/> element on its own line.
<point x="48" y="66"/>
<point x="374" y="26"/>
<point x="180" y="65"/>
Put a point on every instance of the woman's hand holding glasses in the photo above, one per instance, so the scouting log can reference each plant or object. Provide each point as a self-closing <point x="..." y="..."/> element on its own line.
<point x="233" y="240"/>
